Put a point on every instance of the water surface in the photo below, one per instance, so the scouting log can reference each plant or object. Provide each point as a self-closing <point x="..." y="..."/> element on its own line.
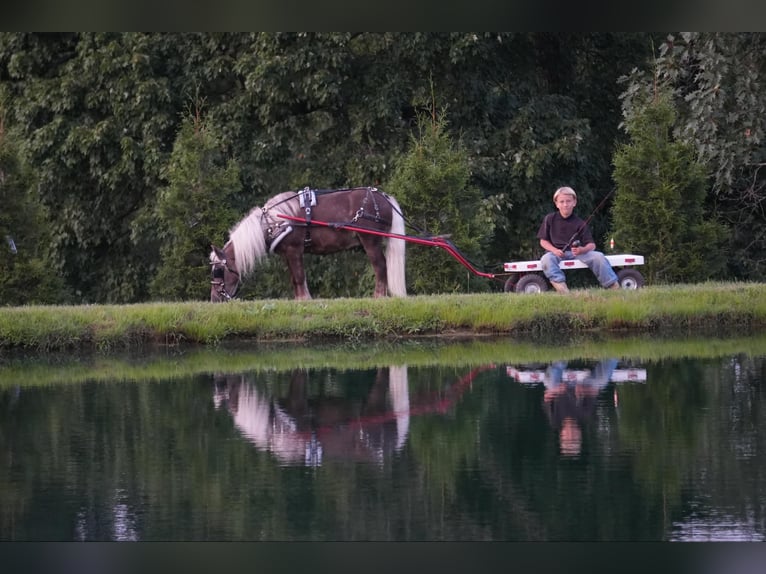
<point x="623" y="448"/>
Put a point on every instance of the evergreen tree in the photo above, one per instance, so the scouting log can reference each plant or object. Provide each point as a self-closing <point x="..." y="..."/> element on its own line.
<point x="432" y="184"/>
<point x="658" y="210"/>
<point x="193" y="210"/>
<point x="716" y="81"/>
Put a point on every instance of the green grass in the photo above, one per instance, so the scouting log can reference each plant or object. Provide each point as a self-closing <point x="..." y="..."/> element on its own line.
<point x="172" y="363"/>
<point x="651" y="309"/>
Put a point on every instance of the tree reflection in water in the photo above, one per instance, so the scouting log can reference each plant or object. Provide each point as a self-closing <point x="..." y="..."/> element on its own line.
<point x="425" y="452"/>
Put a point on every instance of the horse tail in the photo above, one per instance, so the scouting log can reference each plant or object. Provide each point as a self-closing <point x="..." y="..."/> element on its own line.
<point x="395" y="262"/>
<point x="400" y="398"/>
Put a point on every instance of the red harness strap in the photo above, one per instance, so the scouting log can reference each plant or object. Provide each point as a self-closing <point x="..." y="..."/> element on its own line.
<point x="434" y="242"/>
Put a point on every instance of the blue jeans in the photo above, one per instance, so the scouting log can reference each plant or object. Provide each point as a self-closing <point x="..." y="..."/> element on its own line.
<point x="595" y="260"/>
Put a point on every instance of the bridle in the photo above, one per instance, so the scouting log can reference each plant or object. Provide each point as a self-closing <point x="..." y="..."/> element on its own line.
<point x="218" y="280"/>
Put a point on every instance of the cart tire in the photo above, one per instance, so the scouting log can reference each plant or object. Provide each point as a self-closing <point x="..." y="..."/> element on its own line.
<point x="532" y="283"/>
<point x="630" y="279"/>
<point x="510" y="284"/>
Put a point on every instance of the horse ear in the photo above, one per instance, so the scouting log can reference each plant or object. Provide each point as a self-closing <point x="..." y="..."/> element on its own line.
<point x="219" y="253"/>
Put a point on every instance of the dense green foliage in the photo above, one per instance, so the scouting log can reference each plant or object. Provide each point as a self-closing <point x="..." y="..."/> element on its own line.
<point x="25" y="276"/>
<point x="192" y="212"/>
<point x="717" y="84"/>
<point x="659" y="204"/>
<point x="432" y="185"/>
<point x="98" y="116"/>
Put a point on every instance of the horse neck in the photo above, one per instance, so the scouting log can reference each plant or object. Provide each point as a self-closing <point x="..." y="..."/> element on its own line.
<point x="229" y="251"/>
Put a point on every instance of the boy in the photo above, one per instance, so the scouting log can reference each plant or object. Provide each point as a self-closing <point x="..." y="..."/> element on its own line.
<point x="564" y="235"/>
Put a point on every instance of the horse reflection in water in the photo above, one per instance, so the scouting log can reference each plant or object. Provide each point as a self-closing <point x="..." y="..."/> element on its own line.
<point x="303" y="430"/>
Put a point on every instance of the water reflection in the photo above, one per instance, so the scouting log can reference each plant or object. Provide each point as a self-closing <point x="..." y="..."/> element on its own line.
<point x="642" y="447"/>
<point x="301" y="427"/>
<point x="571" y="394"/>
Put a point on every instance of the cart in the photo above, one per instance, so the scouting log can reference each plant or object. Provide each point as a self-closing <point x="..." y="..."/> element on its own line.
<point x="527" y="276"/>
<point x="533" y="376"/>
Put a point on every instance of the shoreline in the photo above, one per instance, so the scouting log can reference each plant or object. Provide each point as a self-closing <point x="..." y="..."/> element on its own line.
<point x="657" y="309"/>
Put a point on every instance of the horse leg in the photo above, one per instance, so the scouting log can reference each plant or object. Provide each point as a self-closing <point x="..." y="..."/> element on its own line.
<point x="373" y="247"/>
<point x="294" y="260"/>
<point x="297" y="403"/>
<point x="376" y="398"/>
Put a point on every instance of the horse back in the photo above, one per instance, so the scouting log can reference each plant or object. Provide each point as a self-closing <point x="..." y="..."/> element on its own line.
<point x="361" y="207"/>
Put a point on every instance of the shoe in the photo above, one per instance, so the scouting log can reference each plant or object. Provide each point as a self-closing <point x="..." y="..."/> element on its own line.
<point x="560" y="287"/>
<point x="615" y="285"/>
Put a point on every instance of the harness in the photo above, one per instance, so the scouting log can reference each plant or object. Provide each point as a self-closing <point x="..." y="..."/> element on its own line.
<point x="218" y="282"/>
<point x="277" y="230"/>
<point x="360" y="213"/>
<point x="307" y="198"/>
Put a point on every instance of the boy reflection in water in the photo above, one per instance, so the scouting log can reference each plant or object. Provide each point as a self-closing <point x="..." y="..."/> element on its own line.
<point x="570" y="403"/>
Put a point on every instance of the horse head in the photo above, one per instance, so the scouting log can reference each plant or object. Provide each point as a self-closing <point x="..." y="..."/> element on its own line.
<point x="225" y="279"/>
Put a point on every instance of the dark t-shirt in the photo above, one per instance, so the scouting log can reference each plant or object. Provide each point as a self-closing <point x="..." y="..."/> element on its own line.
<point x="559" y="231"/>
<point x="568" y="405"/>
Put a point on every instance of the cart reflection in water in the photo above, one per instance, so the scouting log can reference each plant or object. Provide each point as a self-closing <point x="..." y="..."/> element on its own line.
<point x="571" y="395"/>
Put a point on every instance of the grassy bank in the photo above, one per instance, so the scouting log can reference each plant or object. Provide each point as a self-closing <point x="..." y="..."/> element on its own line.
<point x="652" y="309"/>
<point x="22" y="370"/>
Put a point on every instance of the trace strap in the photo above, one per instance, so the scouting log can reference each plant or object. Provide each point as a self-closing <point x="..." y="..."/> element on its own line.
<point x="307" y="199"/>
<point x="440" y="242"/>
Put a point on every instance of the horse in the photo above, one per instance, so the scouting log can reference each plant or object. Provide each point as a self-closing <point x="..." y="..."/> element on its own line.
<point x="263" y="232"/>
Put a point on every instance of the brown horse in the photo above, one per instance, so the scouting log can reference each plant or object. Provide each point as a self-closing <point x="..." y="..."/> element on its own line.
<point x="262" y="232"/>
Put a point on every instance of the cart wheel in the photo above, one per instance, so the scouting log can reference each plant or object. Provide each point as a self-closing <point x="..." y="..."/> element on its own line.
<point x="532" y="283"/>
<point x="510" y="284"/>
<point x="630" y="279"/>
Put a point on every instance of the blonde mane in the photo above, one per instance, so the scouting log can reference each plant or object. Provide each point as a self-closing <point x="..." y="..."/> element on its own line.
<point x="248" y="237"/>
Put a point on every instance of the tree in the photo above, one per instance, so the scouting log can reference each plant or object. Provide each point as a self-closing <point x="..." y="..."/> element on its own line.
<point x="99" y="112"/>
<point x="25" y="276"/>
<point x="658" y="210"/>
<point x="432" y="185"/>
<point x="193" y="210"/>
<point x="716" y="83"/>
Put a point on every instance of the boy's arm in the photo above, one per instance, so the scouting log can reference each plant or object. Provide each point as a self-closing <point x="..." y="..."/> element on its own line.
<point x="548" y="246"/>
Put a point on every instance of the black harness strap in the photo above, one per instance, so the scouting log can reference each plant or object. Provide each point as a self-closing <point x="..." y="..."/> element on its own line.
<point x="220" y="284"/>
<point x="307" y="199"/>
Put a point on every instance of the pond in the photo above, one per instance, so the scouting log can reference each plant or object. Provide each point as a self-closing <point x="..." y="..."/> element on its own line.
<point x="624" y="440"/>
